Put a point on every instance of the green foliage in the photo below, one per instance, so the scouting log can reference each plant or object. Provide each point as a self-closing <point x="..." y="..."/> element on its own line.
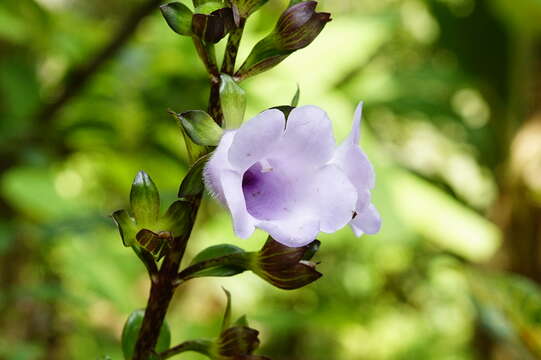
<point x="145" y="200"/>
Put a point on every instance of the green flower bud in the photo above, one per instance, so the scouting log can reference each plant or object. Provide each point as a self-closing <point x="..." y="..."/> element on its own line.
<point x="147" y="231"/>
<point x="233" y="100"/>
<point x="144" y="200"/>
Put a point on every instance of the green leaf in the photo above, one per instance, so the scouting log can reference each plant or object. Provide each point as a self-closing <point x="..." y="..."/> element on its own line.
<point x="201" y="128"/>
<point x="145" y="200"/>
<point x="195" y="151"/>
<point x="131" y="331"/>
<point x="295" y="100"/>
<point x="126" y="226"/>
<point x="178" y="17"/>
<point x="233" y="100"/>
<point x="218" y="251"/>
<point x="227" y="314"/>
<point x="192" y="184"/>
<point x="177" y="219"/>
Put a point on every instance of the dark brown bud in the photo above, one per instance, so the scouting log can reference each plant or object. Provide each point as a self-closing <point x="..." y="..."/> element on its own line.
<point x="286" y="267"/>
<point x="298" y="26"/>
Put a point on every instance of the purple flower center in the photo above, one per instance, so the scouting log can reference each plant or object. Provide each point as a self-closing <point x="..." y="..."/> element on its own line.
<point x="265" y="192"/>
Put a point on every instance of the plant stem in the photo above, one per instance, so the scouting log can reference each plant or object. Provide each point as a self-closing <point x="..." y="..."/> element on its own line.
<point x="240" y="259"/>
<point x="215" y="106"/>
<point x="166" y="280"/>
<point x="161" y="292"/>
<point x="207" y="55"/>
<point x="232" y="49"/>
<point x="200" y="346"/>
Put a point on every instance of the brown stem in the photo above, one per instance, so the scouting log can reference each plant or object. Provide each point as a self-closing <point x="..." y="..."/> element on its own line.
<point x="161" y="293"/>
<point x="208" y="56"/>
<point x="215" y="106"/>
<point x="232" y="49"/>
<point x="162" y="290"/>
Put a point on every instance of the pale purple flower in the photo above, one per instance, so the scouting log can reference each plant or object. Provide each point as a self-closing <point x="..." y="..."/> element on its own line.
<point x="290" y="179"/>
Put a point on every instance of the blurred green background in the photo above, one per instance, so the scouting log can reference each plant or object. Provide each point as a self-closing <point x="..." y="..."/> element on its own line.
<point x="452" y="92"/>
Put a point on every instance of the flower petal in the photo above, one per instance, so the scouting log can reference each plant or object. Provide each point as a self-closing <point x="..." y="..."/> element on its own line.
<point x="218" y="162"/>
<point x="356" y="165"/>
<point x="243" y="222"/>
<point x="254" y="139"/>
<point x="331" y="197"/>
<point x="355" y="134"/>
<point x="368" y="221"/>
<point x="308" y="139"/>
<point x="293" y="231"/>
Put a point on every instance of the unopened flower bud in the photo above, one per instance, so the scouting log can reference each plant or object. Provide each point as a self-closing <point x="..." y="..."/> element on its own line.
<point x="286" y="267"/>
<point x="298" y="26"/>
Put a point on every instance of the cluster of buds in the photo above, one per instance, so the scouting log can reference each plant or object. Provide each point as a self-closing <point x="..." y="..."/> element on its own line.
<point x="211" y="21"/>
<point x="145" y="230"/>
<point x="154" y="236"/>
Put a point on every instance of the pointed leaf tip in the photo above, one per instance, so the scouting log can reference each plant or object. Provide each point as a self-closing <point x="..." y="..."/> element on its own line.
<point x="296" y="97"/>
<point x="145" y="200"/>
<point x="178" y="17"/>
<point x="201" y="128"/>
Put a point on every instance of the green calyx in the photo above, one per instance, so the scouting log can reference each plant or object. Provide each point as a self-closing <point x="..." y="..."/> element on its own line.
<point x="233" y="101"/>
